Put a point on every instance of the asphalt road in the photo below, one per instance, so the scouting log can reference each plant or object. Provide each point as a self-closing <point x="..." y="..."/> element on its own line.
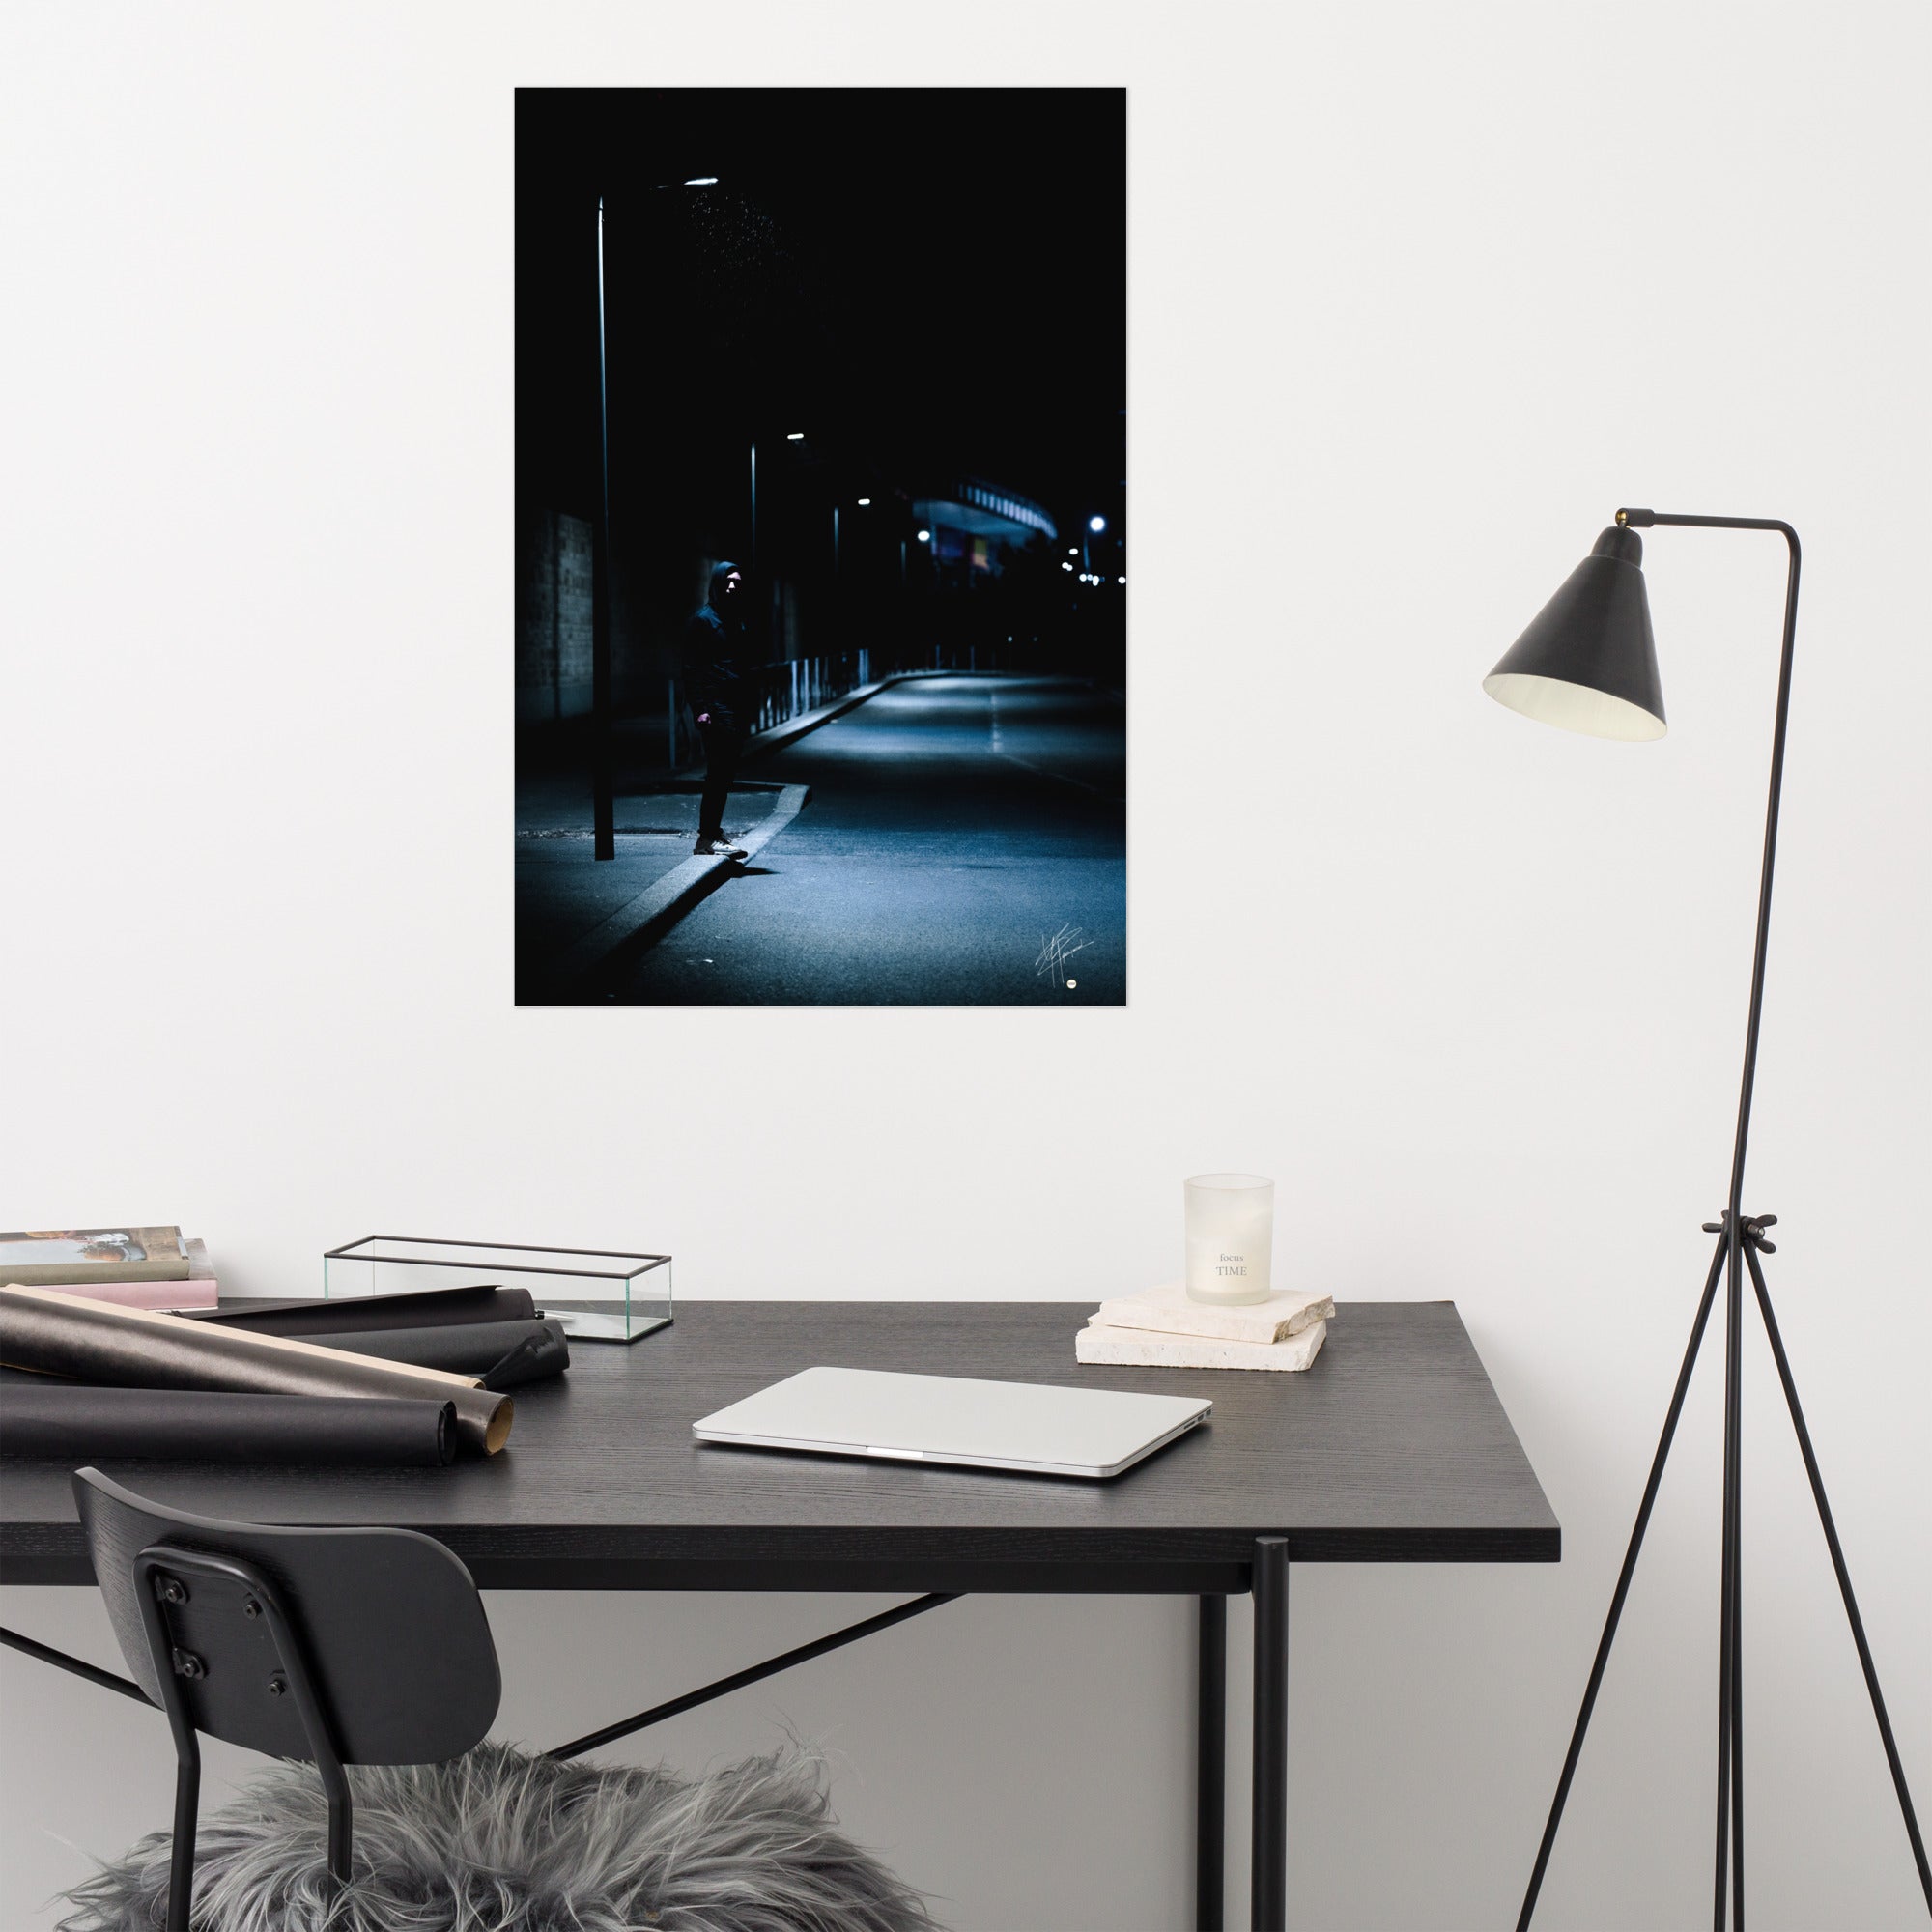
<point x="965" y="846"/>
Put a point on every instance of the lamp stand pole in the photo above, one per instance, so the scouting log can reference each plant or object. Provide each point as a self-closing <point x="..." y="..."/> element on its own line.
<point x="1741" y="1239"/>
<point x="603" y="786"/>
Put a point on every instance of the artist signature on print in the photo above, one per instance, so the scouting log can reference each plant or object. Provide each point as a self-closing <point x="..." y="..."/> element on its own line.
<point x="1056" y="950"/>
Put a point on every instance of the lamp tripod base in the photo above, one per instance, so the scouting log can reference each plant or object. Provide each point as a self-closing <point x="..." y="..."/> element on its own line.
<point x="1741" y="1241"/>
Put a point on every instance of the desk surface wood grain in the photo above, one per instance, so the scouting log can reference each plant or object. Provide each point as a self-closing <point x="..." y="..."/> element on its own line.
<point x="1393" y="1447"/>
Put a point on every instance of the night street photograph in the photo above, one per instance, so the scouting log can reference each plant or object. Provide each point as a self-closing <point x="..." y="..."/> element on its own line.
<point x="821" y="547"/>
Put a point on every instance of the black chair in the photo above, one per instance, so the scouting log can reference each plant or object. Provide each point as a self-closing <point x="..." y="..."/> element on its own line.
<point x="331" y="1646"/>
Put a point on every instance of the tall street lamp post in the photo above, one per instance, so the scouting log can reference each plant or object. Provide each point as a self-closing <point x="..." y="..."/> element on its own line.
<point x="1094" y="526"/>
<point x="602" y="772"/>
<point x="602" y="780"/>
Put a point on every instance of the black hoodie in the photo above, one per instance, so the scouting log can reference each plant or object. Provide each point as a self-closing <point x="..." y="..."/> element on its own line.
<point x="715" y="676"/>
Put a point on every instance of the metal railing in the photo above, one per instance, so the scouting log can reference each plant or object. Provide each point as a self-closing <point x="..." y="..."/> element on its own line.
<point x="792" y="687"/>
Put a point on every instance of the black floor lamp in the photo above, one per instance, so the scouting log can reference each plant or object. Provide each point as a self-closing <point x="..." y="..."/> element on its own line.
<point x="1587" y="663"/>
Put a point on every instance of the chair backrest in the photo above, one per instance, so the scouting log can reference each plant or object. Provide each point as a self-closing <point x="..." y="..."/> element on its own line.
<point x="390" y="1630"/>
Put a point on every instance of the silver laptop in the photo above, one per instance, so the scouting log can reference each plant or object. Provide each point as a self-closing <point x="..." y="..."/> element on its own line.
<point x="1046" y="1432"/>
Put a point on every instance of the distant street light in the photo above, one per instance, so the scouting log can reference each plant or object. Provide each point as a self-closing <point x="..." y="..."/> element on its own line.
<point x="794" y="435"/>
<point x="925" y="536"/>
<point x="864" y="502"/>
<point x="1119" y="579"/>
<point x="1097" y="525"/>
<point x="703" y="181"/>
<point x="1072" y="550"/>
<point x="1066" y="566"/>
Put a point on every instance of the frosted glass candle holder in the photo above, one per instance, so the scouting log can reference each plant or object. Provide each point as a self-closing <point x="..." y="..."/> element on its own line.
<point x="1229" y="1237"/>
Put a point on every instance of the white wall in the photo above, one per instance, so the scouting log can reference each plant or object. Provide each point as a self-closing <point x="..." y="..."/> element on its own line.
<point x="1419" y="295"/>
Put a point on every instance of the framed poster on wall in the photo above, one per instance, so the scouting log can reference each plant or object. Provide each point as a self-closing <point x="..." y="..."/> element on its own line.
<point x="820" y="527"/>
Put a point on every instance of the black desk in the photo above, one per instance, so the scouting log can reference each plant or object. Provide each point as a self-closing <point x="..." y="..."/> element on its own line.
<point x="1391" y="1448"/>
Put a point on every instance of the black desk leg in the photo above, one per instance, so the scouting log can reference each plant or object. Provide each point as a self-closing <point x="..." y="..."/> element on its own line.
<point x="1269" y="1893"/>
<point x="1211" y="1766"/>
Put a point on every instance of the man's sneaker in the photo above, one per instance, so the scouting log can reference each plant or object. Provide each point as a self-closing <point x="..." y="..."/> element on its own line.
<point x="720" y="847"/>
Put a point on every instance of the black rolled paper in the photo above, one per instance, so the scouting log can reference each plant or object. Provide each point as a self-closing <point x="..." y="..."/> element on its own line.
<point x="525" y="1363"/>
<point x="466" y="1348"/>
<point x="70" y="1423"/>
<point x="364" y="1314"/>
<point x="138" y="1347"/>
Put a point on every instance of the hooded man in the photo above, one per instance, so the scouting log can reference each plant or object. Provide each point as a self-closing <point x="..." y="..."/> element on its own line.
<point x="723" y="696"/>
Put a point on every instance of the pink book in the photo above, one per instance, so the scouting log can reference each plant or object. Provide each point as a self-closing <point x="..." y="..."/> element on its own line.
<point x="161" y="1294"/>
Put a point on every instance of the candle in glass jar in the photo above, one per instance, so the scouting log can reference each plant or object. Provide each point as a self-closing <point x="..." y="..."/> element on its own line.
<point x="1229" y="1237"/>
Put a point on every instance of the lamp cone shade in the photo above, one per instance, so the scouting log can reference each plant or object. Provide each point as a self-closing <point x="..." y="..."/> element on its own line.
<point x="1588" y="661"/>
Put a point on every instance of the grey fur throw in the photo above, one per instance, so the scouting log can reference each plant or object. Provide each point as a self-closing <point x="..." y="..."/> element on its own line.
<point x="496" y="1841"/>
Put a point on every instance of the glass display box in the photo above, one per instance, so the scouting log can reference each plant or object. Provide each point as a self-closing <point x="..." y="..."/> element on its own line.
<point x="598" y="1297"/>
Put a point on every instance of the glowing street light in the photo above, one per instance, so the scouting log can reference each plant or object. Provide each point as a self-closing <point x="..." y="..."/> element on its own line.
<point x="794" y="435"/>
<point x="703" y="181"/>
<point x="864" y="502"/>
<point x="1097" y="525"/>
<point x="925" y="536"/>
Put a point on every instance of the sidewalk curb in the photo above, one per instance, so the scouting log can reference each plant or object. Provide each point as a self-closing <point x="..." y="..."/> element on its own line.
<point x="666" y="899"/>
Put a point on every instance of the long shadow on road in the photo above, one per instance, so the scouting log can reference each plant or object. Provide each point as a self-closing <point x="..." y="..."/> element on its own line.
<point x="965" y="846"/>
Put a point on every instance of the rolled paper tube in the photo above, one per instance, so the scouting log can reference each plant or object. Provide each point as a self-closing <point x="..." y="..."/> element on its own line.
<point x="137" y="1348"/>
<point x="73" y="1424"/>
<point x="363" y="1313"/>
<point x="525" y="1363"/>
<point x="465" y="1348"/>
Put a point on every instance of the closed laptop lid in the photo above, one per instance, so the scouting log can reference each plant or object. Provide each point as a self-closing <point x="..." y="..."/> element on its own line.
<point x="954" y="1419"/>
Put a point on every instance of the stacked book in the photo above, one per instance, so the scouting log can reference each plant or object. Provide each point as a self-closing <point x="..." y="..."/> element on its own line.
<point x="131" y="1268"/>
<point x="1163" y="1329"/>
